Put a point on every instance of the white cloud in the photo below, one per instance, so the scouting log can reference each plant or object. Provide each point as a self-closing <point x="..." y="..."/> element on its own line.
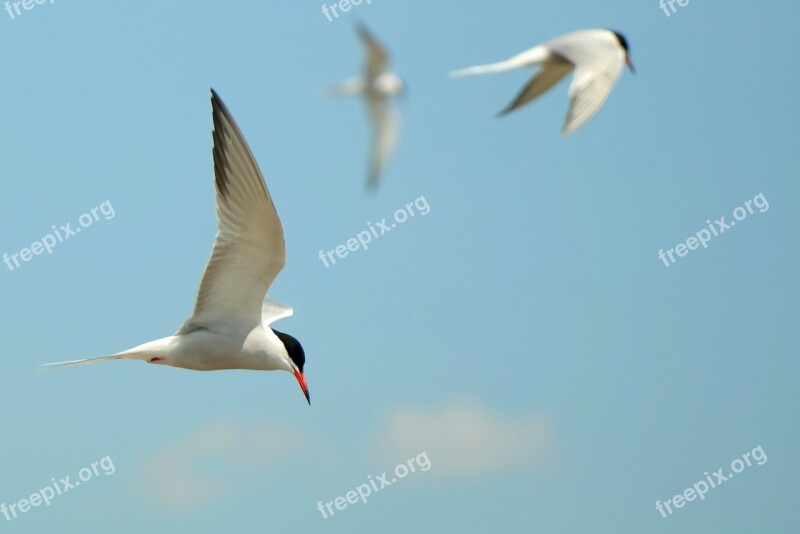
<point x="216" y="457"/>
<point x="465" y="438"/>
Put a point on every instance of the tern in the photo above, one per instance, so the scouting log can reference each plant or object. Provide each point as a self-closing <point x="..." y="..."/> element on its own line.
<point x="596" y="56"/>
<point x="377" y="86"/>
<point x="230" y="325"/>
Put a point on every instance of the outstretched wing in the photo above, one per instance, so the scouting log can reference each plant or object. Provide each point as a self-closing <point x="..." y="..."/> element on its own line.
<point x="598" y="61"/>
<point x="249" y="249"/>
<point x="588" y="92"/>
<point x="272" y="311"/>
<point x="377" y="56"/>
<point x="385" y="124"/>
<point x="552" y="71"/>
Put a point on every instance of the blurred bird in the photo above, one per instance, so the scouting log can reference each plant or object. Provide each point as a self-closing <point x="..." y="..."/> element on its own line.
<point x="596" y="56"/>
<point x="377" y="86"/>
<point x="230" y="326"/>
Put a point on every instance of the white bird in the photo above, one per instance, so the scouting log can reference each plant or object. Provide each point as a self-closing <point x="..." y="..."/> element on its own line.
<point x="596" y="56"/>
<point x="230" y="325"/>
<point x="377" y="86"/>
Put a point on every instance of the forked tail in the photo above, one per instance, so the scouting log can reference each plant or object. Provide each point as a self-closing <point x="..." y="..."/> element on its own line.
<point x="56" y="365"/>
<point x="525" y="59"/>
<point x="481" y="69"/>
<point x="149" y="352"/>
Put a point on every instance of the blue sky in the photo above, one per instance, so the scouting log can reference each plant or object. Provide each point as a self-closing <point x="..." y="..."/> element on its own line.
<point x="523" y="334"/>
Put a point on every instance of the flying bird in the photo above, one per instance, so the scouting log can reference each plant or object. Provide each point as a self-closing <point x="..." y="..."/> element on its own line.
<point x="377" y="86"/>
<point x="596" y="56"/>
<point x="230" y="327"/>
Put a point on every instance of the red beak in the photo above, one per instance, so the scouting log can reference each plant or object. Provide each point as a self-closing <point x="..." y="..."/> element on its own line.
<point x="629" y="63"/>
<point x="301" y="379"/>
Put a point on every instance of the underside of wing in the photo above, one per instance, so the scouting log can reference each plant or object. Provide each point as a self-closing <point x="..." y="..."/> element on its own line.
<point x="385" y="129"/>
<point x="249" y="249"/>
<point x="589" y="91"/>
<point x="551" y="72"/>
<point x="272" y="311"/>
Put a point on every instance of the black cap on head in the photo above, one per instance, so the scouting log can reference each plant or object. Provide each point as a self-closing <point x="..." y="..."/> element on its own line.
<point x="621" y="38"/>
<point x="293" y="347"/>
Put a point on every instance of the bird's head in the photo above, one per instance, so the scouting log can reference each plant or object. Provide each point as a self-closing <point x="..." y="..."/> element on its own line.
<point x="296" y="360"/>
<point x="624" y="44"/>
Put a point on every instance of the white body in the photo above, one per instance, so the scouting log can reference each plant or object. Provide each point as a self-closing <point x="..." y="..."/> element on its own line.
<point x="256" y="348"/>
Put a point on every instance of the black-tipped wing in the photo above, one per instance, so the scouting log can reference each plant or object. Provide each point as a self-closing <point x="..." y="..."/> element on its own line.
<point x="249" y="249"/>
<point x="377" y="56"/>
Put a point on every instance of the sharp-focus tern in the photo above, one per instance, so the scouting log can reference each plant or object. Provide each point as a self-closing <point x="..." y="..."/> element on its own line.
<point x="230" y="325"/>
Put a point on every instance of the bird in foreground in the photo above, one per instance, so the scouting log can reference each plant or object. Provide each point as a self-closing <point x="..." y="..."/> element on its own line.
<point x="377" y="86"/>
<point x="596" y="56"/>
<point x="230" y="325"/>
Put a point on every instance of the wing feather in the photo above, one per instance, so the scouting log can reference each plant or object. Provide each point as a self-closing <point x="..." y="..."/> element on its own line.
<point x="550" y="73"/>
<point x="588" y="92"/>
<point x="385" y="124"/>
<point x="598" y="61"/>
<point x="249" y="249"/>
<point x="377" y="56"/>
